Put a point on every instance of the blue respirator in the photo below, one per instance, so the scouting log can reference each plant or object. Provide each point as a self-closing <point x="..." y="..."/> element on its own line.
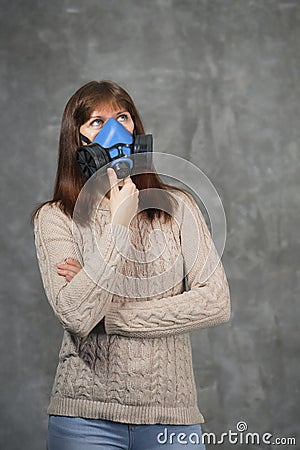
<point x="115" y="147"/>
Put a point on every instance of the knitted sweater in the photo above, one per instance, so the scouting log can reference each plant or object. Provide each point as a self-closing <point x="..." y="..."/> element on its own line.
<point x="126" y="353"/>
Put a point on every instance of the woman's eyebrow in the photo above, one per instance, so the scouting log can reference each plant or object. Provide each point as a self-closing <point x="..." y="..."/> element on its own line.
<point x="96" y="117"/>
<point x="101" y="117"/>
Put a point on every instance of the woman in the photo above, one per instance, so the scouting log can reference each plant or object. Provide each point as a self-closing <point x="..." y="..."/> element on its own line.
<point x="124" y="379"/>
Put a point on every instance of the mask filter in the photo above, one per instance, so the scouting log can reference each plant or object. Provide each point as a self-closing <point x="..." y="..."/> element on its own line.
<point x="115" y="147"/>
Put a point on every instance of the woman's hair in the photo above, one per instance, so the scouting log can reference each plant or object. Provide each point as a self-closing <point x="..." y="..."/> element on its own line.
<point x="69" y="180"/>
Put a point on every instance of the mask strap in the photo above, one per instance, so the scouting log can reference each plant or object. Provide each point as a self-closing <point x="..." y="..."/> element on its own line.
<point x="85" y="139"/>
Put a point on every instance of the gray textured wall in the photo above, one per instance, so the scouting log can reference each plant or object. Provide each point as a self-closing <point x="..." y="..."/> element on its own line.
<point x="217" y="82"/>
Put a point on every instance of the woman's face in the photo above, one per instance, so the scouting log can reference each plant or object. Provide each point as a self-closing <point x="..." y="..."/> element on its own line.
<point x="91" y="128"/>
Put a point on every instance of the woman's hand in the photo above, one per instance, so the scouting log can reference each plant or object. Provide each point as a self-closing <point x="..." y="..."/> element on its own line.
<point x="124" y="202"/>
<point x="69" y="268"/>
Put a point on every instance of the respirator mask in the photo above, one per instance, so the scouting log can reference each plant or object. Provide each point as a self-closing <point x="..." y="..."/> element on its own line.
<point x="115" y="147"/>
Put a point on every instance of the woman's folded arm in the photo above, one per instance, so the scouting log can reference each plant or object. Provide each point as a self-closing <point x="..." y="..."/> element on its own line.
<point x="206" y="304"/>
<point x="81" y="303"/>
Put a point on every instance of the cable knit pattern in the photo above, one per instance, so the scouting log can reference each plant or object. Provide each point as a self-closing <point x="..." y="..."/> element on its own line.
<point x="126" y="352"/>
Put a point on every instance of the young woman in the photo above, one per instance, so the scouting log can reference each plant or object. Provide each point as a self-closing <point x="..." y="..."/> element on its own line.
<point x="124" y="379"/>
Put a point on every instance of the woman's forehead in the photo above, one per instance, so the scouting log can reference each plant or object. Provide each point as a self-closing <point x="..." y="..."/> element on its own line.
<point x="107" y="107"/>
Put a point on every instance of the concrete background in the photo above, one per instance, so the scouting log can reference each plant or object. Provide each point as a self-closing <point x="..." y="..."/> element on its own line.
<point x="217" y="83"/>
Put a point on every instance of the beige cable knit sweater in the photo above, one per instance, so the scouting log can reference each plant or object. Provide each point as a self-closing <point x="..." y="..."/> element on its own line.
<point x="126" y="352"/>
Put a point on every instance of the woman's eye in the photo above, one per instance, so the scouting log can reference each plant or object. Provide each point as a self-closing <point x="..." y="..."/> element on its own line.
<point x="96" y="123"/>
<point x="123" y="118"/>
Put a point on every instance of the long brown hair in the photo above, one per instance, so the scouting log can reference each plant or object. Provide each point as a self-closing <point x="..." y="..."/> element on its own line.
<point x="69" y="180"/>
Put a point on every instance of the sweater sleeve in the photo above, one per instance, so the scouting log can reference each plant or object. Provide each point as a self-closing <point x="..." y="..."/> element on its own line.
<point x="81" y="303"/>
<point x="206" y="304"/>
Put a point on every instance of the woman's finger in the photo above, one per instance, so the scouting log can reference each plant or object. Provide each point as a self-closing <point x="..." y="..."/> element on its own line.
<point x="72" y="262"/>
<point x="127" y="180"/>
<point x="65" y="272"/>
<point x="69" y="269"/>
<point x="113" y="181"/>
<point x="69" y="262"/>
<point x="69" y="278"/>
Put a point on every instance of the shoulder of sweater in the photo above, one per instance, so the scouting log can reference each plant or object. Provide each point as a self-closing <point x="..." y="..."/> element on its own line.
<point x="183" y="195"/>
<point x="50" y="209"/>
<point x="50" y="214"/>
<point x="186" y="201"/>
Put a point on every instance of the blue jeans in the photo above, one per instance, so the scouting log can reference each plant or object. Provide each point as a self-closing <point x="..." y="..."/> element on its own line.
<point x="78" y="433"/>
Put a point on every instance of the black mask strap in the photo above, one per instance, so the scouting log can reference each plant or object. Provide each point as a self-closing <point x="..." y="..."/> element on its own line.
<point x="85" y="139"/>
